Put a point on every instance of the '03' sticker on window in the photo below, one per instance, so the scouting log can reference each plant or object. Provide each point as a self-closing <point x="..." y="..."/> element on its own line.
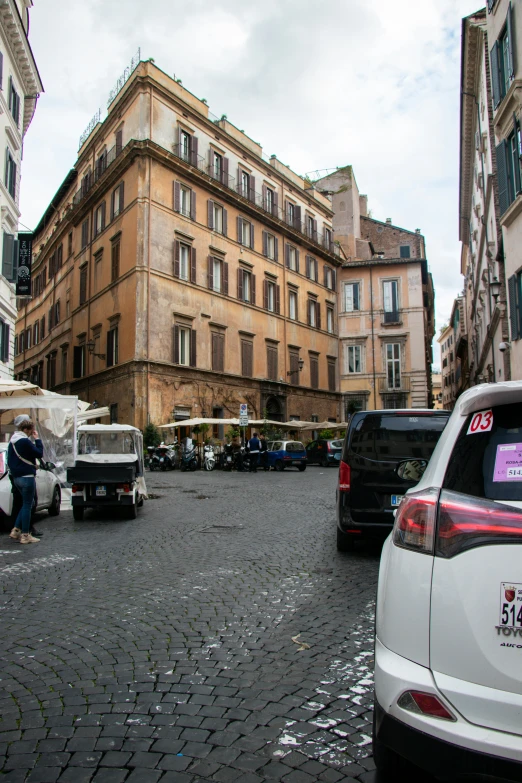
<point x="481" y="422"/>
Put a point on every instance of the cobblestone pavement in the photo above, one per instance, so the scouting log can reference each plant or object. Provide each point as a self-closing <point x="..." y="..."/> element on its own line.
<point x="169" y="648"/>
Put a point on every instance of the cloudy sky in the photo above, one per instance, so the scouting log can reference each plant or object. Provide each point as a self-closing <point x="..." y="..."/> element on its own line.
<point x="319" y="83"/>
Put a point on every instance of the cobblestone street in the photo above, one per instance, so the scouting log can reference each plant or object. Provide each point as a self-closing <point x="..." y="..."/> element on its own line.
<point x="169" y="648"/>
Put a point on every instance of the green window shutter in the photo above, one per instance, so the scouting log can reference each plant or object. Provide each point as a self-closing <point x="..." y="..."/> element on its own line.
<point x="495" y="74"/>
<point x="511" y="42"/>
<point x="514" y="319"/>
<point x="7" y="257"/>
<point x="503" y="176"/>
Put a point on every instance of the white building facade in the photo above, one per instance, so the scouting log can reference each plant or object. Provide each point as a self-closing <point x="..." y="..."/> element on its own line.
<point x="20" y="87"/>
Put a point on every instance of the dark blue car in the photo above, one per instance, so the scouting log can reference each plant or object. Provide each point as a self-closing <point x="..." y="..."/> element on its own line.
<point x="286" y="453"/>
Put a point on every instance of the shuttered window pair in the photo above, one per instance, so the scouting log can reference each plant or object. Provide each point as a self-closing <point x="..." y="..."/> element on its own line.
<point x="184" y="346"/>
<point x="117" y="200"/>
<point x="246" y="184"/>
<point x="329" y="277"/>
<point x="270" y="246"/>
<point x="294" y="368"/>
<point x="188" y="148"/>
<point x="217" y="217"/>
<point x="332" y="375"/>
<point x="85" y="233"/>
<point x="292" y="305"/>
<point x="217" y="275"/>
<point x="508" y="168"/>
<point x="115" y="260"/>
<point x="184" y="200"/>
<point x="292" y="258"/>
<point x="502" y="60"/>
<point x="293" y="215"/>
<point x="246" y="286"/>
<point x="311" y="228"/>
<point x="245" y="232"/>
<point x="184" y="262"/>
<point x="219" y="167"/>
<point x="314" y="372"/>
<point x="271" y="296"/>
<point x="314" y="313"/>
<point x="99" y="219"/>
<point x="218" y="352"/>
<point x="270" y="201"/>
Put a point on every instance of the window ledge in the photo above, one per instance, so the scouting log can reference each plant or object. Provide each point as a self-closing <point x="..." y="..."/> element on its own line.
<point x="503" y="121"/>
<point x="391" y="323"/>
<point x="512" y="212"/>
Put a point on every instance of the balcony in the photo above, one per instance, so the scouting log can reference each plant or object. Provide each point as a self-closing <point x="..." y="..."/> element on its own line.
<point x="391" y="317"/>
<point x="102" y="164"/>
<point x="386" y="387"/>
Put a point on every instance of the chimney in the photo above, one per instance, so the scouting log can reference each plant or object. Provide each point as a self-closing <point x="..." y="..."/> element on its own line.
<point x="363" y="205"/>
<point x="417" y="230"/>
<point x="389" y="220"/>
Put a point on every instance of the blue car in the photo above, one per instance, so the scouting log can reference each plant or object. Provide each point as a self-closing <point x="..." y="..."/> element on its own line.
<point x="286" y="453"/>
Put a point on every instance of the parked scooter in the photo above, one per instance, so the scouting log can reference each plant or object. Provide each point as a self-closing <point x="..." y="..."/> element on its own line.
<point x="209" y="460"/>
<point x="162" y="458"/>
<point x="189" y="457"/>
<point x="228" y="457"/>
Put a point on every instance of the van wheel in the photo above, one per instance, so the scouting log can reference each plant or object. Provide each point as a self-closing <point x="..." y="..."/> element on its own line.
<point x="78" y="513"/>
<point x="278" y="465"/>
<point x="132" y="511"/>
<point x="54" y="508"/>
<point x="389" y="764"/>
<point x="301" y="468"/>
<point x="345" y="543"/>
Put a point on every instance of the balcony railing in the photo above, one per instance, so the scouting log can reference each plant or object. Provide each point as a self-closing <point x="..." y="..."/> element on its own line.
<point x="102" y="164"/>
<point x="388" y="387"/>
<point x="391" y="316"/>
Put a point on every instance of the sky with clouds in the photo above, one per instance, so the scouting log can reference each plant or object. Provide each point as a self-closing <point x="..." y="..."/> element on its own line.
<point x="319" y="83"/>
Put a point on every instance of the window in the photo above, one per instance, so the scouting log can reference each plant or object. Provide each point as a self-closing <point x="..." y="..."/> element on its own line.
<point x="247" y="358"/>
<point x="351" y="297"/>
<point x="85" y="233"/>
<point x="14" y="102"/>
<point x="64" y="366"/>
<point x="290" y="213"/>
<point x="329" y="278"/>
<point x="390" y="301"/>
<point x="405" y="251"/>
<point x="217" y="166"/>
<point x="314" y="314"/>
<point x="119" y="141"/>
<point x="246" y="184"/>
<point x="332" y="375"/>
<point x="57" y="312"/>
<point x="113" y="411"/>
<point x="112" y="346"/>
<point x="353" y="359"/>
<point x="184" y="346"/>
<point x="246" y="286"/>
<point x="218" y="218"/>
<point x="42" y="327"/>
<point x="327" y="238"/>
<point x="115" y="260"/>
<point x="294" y="367"/>
<point x="271" y="296"/>
<point x="99" y="219"/>
<point x="217" y="275"/>
<point x="330" y="320"/>
<point x="218" y="352"/>
<point x="184" y="262"/>
<point x="269" y="200"/>
<point x="270" y="249"/>
<point x="117" y="201"/>
<point x="98" y="270"/>
<point x="502" y="59"/>
<point x="312" y="268"/>
<point x="83" y="284"/>
<point x="508" y="167"/>
<point x="79" y="361"/>
<point x="393" y="365"/>
<point x="314" y="372"/>
<point x="292" y="258"/>
<point x="185" y="195"/>
<point x="10" y="174"/>
<point x="51" y="370"/>
<point x="245" y="232"/>
<point x="292" y="305"/>
<point x="36" y="333"/>
<point x="59" y="257"/>
<point x="185" y="145"/>
<point x="101" y="164"/>
<point x="272" y="363"/>
<point x="311" y="227"/>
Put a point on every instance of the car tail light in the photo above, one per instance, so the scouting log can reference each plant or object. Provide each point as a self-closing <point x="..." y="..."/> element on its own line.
<point x="123" y="487"/>
<point x="466" y="522"/>
<point x="415" y="521"/>
<point x="77" y="488"/>
<point x="344" y="477"/>
<point x="328" y="446"/>
<point x="425" y="704"/>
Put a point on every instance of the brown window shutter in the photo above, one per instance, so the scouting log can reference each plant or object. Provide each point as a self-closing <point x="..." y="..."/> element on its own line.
<point x="278" y="298"/>
<point x="215" y="351"/>
<point x="252" y="236"/>
<point x="325" y="276"/>
<point x="239" y="230"/>
<point x="240" y="284"/>
<point x="318" y="315"/>
<point x="263" y="192"/>
<point x="331" y="375"/>
<point x="308" y="266"/>
<point x="109" y="351"/>
<point x="176" y="258"/>
<point x="222" y="352"/>
<point x="225" y="222"/>
<point x="210" y="213"/>
<point x="334" y="279"/>
<point x="102" y="219"/>
<point x="238" y="181"/>
<point x="194" y="150"/>
<point x="119" y="141"/>
<point x="276" y="249"/>
<point x="276" y="208"/>
<point x="297" y="217"/>
<point x="297" y="260"/>
<point x="193" y="205"/>
<point x="177" y="199"/>
<point x="210" y="272"/>
<point x="252" y="188"/>
<point x="252" y="289"/>
<point x="115" y="261"/>
<point x="193" y="356"/>
<point x="224" y="171"/>
<point x="287" y="256"/>
<point x="265" y="294"/>
<point x="176" y="344"/>
<point x="265" y="242"/>
<point x="192" y="264"/>
<point x="309" y="312"/>
<point x="224" y="267"/>
<point x="122" y="195"/>
<point x="314" y="230"/>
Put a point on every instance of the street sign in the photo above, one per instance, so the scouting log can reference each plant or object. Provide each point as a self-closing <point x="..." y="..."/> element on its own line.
<point x="25" y="257"/>
<point x="243" y="415"/>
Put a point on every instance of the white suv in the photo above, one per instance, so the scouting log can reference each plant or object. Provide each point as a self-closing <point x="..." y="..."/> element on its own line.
<point x="448" y="649"/>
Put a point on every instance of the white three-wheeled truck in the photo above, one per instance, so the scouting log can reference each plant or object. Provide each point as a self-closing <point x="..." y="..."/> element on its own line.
<point x="108" y="470"/>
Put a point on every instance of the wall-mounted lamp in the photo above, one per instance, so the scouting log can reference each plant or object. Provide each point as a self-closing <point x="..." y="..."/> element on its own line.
<point x="300" y="365"/>
<point x="91" y="345"/>
<point x="494" y="288"/>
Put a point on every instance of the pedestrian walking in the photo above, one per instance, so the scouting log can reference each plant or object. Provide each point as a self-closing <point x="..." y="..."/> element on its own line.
<point x="263" y="453"/>
<point x="254" y="447"/>
<point x="25" y="447"/>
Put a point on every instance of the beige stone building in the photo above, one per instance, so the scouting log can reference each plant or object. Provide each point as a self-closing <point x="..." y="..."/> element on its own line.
<point x="436" y="381"/>
<point x="385" y="305"/>
<point x="179" y="271"/>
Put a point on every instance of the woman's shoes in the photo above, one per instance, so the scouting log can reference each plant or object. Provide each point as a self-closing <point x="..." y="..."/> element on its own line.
<point x="27" y="538"/>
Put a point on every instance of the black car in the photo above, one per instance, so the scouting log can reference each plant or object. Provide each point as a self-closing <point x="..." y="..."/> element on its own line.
<point x="371" y="481"/>
<point x="324" y="452"/>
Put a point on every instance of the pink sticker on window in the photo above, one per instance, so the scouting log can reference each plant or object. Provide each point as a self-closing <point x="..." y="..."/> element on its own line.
<point x="508" y="462"/>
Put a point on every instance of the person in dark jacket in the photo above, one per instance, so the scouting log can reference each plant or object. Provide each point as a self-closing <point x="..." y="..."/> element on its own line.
<point x="263" y="455"/>
<point x="254" y="445"/>
<point x="25" y="447"/>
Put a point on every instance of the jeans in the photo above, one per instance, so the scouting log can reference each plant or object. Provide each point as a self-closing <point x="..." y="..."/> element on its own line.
<point x="254" y="459"/>
<point x="26" y="485"/>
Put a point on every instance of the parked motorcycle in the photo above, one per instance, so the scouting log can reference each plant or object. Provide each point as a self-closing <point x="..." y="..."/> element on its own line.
<point x="163" y="458"/>
<point x="189" y="458"/>
<point x="228" y="457"/>
<point x="209" y="460"/>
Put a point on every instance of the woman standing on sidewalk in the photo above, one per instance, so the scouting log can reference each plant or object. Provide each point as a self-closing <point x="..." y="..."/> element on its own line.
<point x="25" y="447"/>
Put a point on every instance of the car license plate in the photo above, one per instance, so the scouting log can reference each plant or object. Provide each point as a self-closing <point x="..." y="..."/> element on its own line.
<point x="229" y="459"/>
<point x="101" y="492"/>
<point x="396" y="499"/>
<point x="511" y="604"/>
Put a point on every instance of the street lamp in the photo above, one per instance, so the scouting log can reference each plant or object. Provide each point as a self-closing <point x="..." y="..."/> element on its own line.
<point x="300" y="364"/>
<point x="91" y="345"/>
<point x="494" y="288"/>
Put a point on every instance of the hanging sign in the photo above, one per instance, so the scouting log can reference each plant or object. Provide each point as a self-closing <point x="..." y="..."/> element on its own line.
<point x="25" y="259"/>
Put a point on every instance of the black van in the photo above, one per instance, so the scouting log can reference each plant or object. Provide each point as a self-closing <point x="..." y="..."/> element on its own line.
<point x="370" y="483"/>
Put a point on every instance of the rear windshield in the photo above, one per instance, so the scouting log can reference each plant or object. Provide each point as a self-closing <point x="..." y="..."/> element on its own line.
<point x="488" y="464"/>
<point x="295" y="446"/>
<point x="395" y="437"/>
<point x="337" y="444"/>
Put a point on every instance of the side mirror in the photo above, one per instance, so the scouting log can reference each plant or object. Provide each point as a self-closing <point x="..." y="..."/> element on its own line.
<point x="412" y="469"/>
<point x="50" y="466"/>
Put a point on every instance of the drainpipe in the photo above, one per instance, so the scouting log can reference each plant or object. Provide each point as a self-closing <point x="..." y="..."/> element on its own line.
<point x="373" y="341"/>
